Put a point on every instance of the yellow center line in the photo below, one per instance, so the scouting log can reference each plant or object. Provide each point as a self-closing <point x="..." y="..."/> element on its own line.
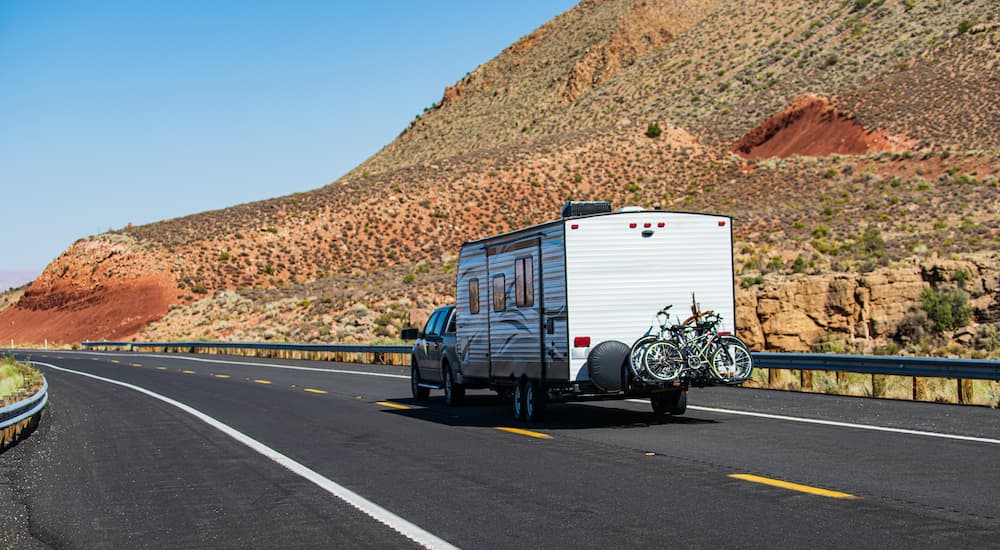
<point x="187" y="371"/>
<point x="392" y="405"/>
<point x="793" y="486"/>
<point x="265" y="382"/>
<point x="223" y="376"/>
<point x="115" y="361"/>
<point x="135" y="364"/>
<point x="314" y="390"/>
<point x="528" y="433"/>
<point x="161" y="368"/>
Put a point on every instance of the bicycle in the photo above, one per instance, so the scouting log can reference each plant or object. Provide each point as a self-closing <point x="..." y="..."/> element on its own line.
<point x="660" y="371"/>
<point x="693" y="350"/>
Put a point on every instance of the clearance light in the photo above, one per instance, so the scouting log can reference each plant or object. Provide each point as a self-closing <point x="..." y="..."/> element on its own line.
<point x="581" y="342"/>
<point x="722" y="224"/>
<point x="661" y="225"/>
<point x="575" y="226"/>
<point x="632" y="226"/>
<point x="647" y="225"/>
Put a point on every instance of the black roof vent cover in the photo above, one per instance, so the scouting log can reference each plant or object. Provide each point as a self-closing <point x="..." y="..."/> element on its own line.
<point x="585" y="208"/>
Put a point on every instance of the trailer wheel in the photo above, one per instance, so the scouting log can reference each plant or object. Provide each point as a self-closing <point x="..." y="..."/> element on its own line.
<point x="454" y="392"/>
<point x="419" y="392"/>
<point x="534" y="401"/>
<point x="674" y="402"/>
<point x="517" y="399"/>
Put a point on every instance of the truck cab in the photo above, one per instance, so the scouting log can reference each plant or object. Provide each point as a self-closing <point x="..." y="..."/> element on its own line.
<point x="434" y="363"/>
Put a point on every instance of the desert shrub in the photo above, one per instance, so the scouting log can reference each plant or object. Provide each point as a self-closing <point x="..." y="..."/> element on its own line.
<point x="830" y="344"/>
<point x="960" y="277"/>
<point x="748" y="282"/>
<point x="915" y="327"/>
<point x="988" y="338"/>
<point x="653" y="130"/>
<point x="948" y="308"/>
<point x="964" y="26"/>
<point x="799" y="265"/>
<point x="871" y="242"/>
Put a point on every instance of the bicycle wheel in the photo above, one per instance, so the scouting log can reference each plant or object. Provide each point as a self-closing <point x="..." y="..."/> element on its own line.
<point x="731" y="361"/>
<point x="635" y="356"/>
<point x="663" y="361"/>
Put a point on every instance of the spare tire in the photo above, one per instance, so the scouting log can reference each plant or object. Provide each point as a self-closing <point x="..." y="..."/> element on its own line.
<point x="607" y="364"/>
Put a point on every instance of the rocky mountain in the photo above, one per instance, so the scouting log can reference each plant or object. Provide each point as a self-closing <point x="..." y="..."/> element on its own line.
<point x="856" y="143"/>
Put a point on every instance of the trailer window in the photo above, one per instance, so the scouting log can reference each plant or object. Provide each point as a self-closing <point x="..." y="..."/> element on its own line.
<point x="474" y="296"/>
<point x="524" y="283"/>
<point x="499" y="293"/>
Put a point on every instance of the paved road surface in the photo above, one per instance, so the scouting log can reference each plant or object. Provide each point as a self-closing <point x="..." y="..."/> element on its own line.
<point x="111" y="467"/>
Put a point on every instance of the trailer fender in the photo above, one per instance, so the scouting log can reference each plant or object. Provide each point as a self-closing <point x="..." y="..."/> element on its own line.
<point x="607" y="364"/>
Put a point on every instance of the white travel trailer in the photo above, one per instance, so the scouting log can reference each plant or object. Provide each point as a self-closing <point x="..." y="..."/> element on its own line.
<point x="550" y="311"/>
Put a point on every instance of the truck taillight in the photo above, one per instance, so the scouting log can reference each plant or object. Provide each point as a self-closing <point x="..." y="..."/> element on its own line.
<point x="724" y="333"/>
<point x="581" y="342"/>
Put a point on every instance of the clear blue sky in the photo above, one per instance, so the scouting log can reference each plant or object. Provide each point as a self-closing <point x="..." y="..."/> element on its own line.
<point x="138" y="111"/>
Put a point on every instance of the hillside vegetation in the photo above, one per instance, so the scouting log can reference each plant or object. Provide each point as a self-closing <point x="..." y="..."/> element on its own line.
<point x="856" y="144"/>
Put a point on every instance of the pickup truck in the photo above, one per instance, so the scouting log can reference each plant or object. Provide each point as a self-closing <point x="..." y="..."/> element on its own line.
<point x="434" y="363"/>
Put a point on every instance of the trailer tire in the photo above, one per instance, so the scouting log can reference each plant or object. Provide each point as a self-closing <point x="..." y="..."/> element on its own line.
<point x="419" y="392"/>
<point x="534" y="401"/>
<point x="454" y="392"/>
<point x="673" y="402"/>
<point x="517" y="399"/>
<point x="608" y="364"/>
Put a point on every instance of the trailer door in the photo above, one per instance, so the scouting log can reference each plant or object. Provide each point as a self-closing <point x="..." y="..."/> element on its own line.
<point x="516" y="346"/>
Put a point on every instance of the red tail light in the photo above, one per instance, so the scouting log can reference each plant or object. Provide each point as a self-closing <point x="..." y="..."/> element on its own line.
<point x="581" y="342"/>
<point x="724" y="333"/>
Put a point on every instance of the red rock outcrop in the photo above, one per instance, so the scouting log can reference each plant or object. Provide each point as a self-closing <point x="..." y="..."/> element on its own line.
<point x="105" y="288"/>
<point x="811" y="126"/>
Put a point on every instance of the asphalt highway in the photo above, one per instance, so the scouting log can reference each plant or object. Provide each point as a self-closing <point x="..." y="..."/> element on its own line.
<point x="226" y="452"/>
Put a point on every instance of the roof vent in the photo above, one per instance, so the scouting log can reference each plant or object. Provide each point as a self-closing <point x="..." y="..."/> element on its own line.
<point x="626" y="209"/>
<point x="585" y="208"/>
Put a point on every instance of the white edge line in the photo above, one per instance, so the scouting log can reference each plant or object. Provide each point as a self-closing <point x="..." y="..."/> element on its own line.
<point x="376" y="512"/>
<point x="840" y="424"/>
<point x="270" y="365"/>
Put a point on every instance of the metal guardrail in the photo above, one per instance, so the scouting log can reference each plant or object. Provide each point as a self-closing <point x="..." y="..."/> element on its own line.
<point x="24" y="409"/>
<point x="378" y="354"/>
<point x="927" y="367"/>
<point x="336" y="348"/>
<point x="931" y="367"/>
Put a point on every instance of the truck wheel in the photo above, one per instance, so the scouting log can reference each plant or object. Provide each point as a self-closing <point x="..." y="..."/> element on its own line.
<point x="517" y="400"/>
<point x="454" y="392"/>
<point x="534" y="402"/>
<point x="419" y="393"/>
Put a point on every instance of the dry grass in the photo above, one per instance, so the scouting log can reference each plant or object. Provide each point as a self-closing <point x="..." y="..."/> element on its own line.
<point x="15" y="376"/>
